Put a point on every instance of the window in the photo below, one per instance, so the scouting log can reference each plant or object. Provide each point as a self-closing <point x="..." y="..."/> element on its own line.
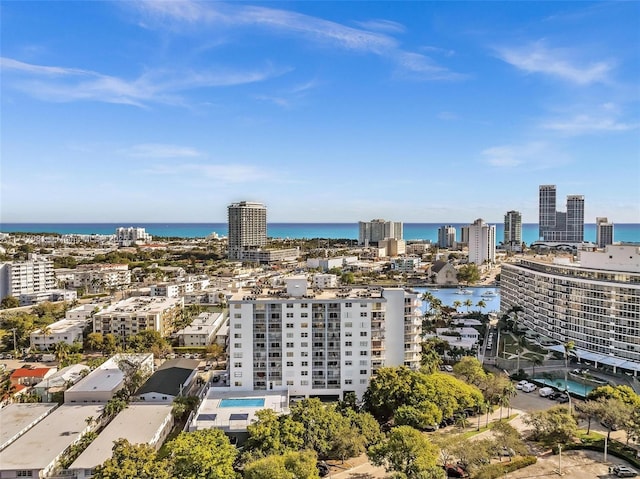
<point x="364" y="362"/>
<point x="348" y="381"/>
<point x="363" y="314"/>
<point x="348" y="305"/>
<point x="289" y="305"/>
<point x="289" y="345"/>
<point x="348" y="353"/>
<point x="363" y="381"/>
<point x="289" y="383"/>
<point x="290" y="315"/>
<point x="348" y="334"/>
<point x="238" y="384"/>
<point x="304" y="383"/>
<point x="24" y="474"/>
<point x="364" y="353"/>
<point x="237" y="315"/>
<point x="237" y="306"/>
<point x="348" y="324"/>
<point x="237" y="325"/>
<point x="289" y="325"/>
<point x="237" y="345"/>
<point x="363" y="371"/>
<point x="364" y="344"/>
<point x="238" y="335"/>
<point x="237" y="365"/>
<point x="348" y="343"/>
<point x="289" y="354"/>
<point x="304" y="325"/>
<point x="363" y="305"/>
<point x="237" y="374"/>
<point x="304" y="345"/>
<point x="304" y="354"/>
<point x="304" y="315"/>
<point x="304" y="373"/>
<point x="289" y="335"/>
<point x="290" y="364"/>
<point x="363" y="333"/>
<point x="304" y="305"/>
<point x="275" y="344"/>
<point x="304" y="364"/>
<point x="304" y="335"/>
<point x="237" y="355"/>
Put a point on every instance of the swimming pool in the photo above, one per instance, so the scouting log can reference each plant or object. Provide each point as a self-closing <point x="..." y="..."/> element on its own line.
<point x="580" y="390"/>
<point x="242" y="402"/>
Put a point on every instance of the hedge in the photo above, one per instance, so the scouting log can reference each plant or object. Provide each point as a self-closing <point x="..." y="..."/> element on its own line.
<point x="494" y="471"/>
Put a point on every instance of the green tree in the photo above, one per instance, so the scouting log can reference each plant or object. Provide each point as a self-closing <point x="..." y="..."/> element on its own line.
<point x="9" y="302"/>
<point x="133" y="461"/>
<point x="109" y="344"/>
<point x="430" y="359"/>
<point x="204" y="454"/>
<point x="291" y="465"/>
<point x="61" y="350"/>
<point x="406" y="451"/>
<point x="552" y="426"/>
<point x="94" y="342"/>
<point x="469" y="273"/>
<point x="470" y="370"/>
<point x="274" y="434"/>
<point x="422" y="417"/>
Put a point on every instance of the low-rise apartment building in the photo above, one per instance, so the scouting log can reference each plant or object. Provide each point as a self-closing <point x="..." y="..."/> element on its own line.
<point x="132" y="315"/>
<point x="202" y="331"/>
<point x="320" y="343"/>
<point x="179" y="288"/>
<point x="96" y="278"/>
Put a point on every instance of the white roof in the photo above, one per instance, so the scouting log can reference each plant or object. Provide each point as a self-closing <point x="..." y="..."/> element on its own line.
<point x="70" y="373"/>
<point x="44" y="442"/>
<point x="108" y="375"/>
<point x="138" y="423"/>
<point x="16" y="417"/>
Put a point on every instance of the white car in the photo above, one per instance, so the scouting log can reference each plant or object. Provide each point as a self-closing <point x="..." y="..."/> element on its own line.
<point x="521" y="384"/>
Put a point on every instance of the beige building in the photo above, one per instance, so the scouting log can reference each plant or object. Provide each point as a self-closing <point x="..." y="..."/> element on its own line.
<point x="96" y="278"/>
<point x="132" y="315"/>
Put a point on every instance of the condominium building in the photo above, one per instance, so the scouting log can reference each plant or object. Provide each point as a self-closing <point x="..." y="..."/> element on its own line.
<point x="132" y="315"/>
<point x="604" y="232"/>
<point x="247" y="227"/>
<point x="594" y="303"/>
<point x="559" y="226"/>
<point x="202" y="331"/>
<point x="371" y="232"/>
<point x="96" y="278"/>
<point x="180" y="288"/>
<point x="320" y="343"/>
<point x="482" y="242"/>
<point x="25" y="277"/>
<point x="446" y="236"/>
<point x="132" y="236"/>
<point x="513" y="231"/>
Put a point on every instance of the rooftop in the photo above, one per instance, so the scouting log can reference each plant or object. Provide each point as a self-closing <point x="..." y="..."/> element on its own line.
<point x="138" y="423"/>
<point x="170" y="378"/>
<point x="14" y="418"/>
<point x="44" y="442"/>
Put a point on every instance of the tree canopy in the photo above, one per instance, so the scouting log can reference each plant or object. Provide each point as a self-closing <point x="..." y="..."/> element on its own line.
<point x="130" y="461"/>
<point x="205" y="454"/>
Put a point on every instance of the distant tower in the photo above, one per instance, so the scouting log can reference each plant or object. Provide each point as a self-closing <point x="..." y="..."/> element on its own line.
<point x="482" y="242"/>
<point x="446" y="236"/>
<point x="247" y="227"/>
<point x="604" y="232"/>
<point x="513" y="231"/>
<point x="546" y="209"/>
<point x="560" y="226"/>
<point x="374" y="231"/>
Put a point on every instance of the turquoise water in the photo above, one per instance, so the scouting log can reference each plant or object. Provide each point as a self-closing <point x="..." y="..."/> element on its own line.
<point x="572" y="386"/>
<point x="412" y="231"/>
<point x="242" y="402"/>
<point x="449" y="295"/>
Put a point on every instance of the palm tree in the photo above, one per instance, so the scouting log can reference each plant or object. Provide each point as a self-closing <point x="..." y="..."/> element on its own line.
<point x="481" y="304"/>
<point x="468" y="303"/>
<point x="62" y="351"/>
<point x="508" y="391"/>
<point x="569" y="346"/>
<point x="457" y="304"/>
<point x="536" y="361"/>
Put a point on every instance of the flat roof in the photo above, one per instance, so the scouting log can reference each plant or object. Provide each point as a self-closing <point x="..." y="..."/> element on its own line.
<point x="16" y="417"/>
<point x="211" y="415"/>
<point x="39" y="446"/>
<point x="101" y="379"/>
<point x="138" y="424"/>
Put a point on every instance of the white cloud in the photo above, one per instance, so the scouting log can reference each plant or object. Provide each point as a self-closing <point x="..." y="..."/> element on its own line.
<point x="228" y="173"/>
<point x="312" y="28"/>
<point x="158" y="150"/>
<point x="581" y="124"/>
<point x="381" y="25"/>
<point x="535" y="155"/>
<point x="72" y="84"/>
<point x="538" y="58"/>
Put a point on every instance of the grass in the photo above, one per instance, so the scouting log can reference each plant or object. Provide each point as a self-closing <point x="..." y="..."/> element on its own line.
<point x="474" y="432"/>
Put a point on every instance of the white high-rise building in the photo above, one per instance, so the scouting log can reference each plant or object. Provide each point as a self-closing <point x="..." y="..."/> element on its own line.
<point x="320" y="343"/>
<point x="593" y="303"/>
<point x="247" y="228"/>
<point x="482" y="242"/>
<point x="26" y="277"/>
<point x="132" y="236"/>
<point x="513" y="231"/>
<point x="374" y="231"/>
<point x="604" y="232"/>
<point x="446" y="236"/>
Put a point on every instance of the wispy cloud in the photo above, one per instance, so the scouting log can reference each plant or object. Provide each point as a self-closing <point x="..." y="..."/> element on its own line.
<point x="535" y="155"/>
<point x="381" y="25"/>
<point x="557" y="62"/>
<point x="158" y="150"/>
<point x="227" y="173"/>
<point x="288" y="98"/>
<point x="313" y="29"/>
<point x="447" y="115"/>
<point x="581" y="124"/>
<point x="61" y="84"/>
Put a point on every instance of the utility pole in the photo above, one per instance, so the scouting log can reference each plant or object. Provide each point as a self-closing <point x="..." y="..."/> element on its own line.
<point x="15" y="344"/>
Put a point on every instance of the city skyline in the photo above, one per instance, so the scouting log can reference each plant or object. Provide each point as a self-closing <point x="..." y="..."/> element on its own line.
<point x="325" y="112"/>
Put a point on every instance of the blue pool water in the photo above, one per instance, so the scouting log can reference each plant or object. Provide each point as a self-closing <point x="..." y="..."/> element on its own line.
<point x="242" y="402"/>
<point x="574" y="387"/>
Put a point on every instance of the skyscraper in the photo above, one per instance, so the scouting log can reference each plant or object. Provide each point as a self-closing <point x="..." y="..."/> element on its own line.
<point x="371" y="232"/>
<point x="482" y="242"/>
<point x="560" y="226"/>
<point x="446" y="236"/>
<point x="513" y="231"/>
<point x="247" y="228"/>
<point x="604" y="232"/>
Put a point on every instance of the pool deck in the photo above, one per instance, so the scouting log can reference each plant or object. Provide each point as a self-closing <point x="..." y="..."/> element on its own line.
<point x="235" y="418"/>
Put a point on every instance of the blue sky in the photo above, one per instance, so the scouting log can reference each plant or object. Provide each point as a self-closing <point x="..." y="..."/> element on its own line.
<point x="324" y="111"/>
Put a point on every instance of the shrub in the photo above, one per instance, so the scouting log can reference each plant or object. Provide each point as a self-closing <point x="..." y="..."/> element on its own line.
<point x="494" y="471"/>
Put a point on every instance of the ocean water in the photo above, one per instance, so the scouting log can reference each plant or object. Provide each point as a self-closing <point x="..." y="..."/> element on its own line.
<point x="449" y="295"/>
<point x="412" y="231"/>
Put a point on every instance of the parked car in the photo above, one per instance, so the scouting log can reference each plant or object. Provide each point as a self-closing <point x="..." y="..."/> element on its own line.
<point x="323" y="468"/>
<point x="448" y="368"/>
<point x="612" y="427"/>
<point x="562" y="398"/>
<point x="453" y="470"/>
<point x="521" y="383"/>
<point x="554" y="396"/>
<point x="529" y="387"/>
<point x="624" y="471"/>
